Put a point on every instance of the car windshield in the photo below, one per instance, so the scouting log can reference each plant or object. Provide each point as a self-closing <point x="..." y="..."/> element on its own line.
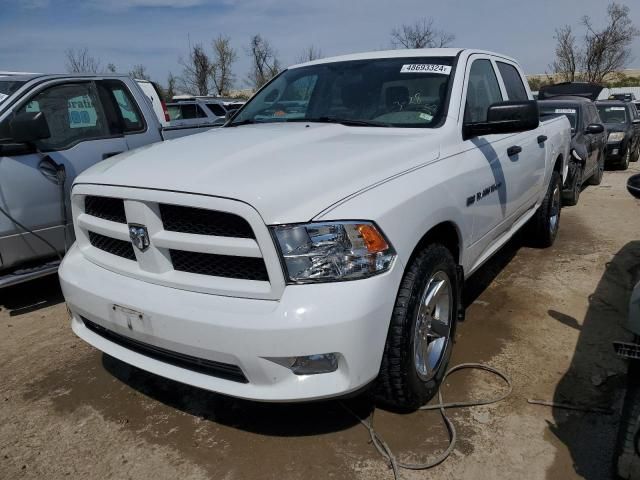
<point x="570" y="112"/>
<point x="393" y="92"/>
<point x="7" y="87"/>
<point x="612" y="114"/>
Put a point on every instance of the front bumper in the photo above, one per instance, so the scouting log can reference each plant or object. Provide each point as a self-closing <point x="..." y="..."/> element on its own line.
<point x="348" y="318"/>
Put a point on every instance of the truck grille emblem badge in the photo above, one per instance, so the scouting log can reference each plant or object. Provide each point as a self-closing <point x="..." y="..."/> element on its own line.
<point x="139" y="236"/>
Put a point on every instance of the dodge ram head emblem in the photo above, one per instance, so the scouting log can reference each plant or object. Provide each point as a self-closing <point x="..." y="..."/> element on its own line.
<point x="139" y="236"/>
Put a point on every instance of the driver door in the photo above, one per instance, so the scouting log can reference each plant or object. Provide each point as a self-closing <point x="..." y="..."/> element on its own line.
<point x="84" y="131"/>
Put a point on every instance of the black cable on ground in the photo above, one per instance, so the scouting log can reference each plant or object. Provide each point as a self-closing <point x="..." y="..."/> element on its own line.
<point x="386" y="452"/>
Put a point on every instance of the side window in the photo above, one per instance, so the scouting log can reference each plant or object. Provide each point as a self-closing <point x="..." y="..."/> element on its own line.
<point x="512" y="82"/>
<point x="131" y="116"/>
<point x="199" y="112"/>
<point x="483" y="90"/>
<point x="217" y="109"/>
<point x="74" y="114"/>
<point x="189" y="111"/>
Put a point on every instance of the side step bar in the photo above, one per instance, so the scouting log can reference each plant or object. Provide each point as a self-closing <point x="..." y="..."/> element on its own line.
<point x="26" y="274"/>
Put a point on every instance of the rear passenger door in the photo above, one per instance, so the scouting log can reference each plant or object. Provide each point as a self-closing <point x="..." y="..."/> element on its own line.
<point x="84" y="130"/>
<point x="530" y="162"/>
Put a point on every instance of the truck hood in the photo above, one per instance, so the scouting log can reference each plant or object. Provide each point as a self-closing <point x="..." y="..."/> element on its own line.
<point x="288" y="172"/>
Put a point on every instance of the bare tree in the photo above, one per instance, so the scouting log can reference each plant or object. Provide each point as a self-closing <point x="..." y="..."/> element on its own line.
<point x="608" y="50"/>
<point x="265" y="63"/>
<point x="568" y="56"/>
<point x="420" y="34"/>
<point x="80" y="61"/>
<point x="170" y="91"/>
<point x="309" y="54"/>
<point x="196" y="72"/>
<point x="111" y="68"/>
<point x="139" y="72"/>
<point x="224" y="56"/>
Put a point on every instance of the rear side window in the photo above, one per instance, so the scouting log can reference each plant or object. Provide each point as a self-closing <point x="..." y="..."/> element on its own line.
<point x="190" y="111"/>
<point x="74" y="113"/>
<point x="483" y="90"/>
<point x="217" y="109"/>
<point x="512" y="82"/>
<point x="131" y="118"/>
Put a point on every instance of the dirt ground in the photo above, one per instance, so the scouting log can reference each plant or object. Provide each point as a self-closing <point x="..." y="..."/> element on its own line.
<point x="545" y="317"/>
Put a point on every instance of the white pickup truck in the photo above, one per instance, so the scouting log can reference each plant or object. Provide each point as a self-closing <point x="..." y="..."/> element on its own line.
<point x="318" y="243"/>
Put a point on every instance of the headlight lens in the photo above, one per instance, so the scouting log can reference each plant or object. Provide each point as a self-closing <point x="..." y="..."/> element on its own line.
<point x="616" y="136"/>
<point x="333" y="251"/>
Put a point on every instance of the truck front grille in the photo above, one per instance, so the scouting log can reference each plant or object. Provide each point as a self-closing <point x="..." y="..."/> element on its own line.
<point x="227" y="266"/>
<point x="199" y="221"/>
<point x="191" y="242"/>
<point x="113" y="246"/>
<point x="200" y="365"/>
<point x="111" y="209"/>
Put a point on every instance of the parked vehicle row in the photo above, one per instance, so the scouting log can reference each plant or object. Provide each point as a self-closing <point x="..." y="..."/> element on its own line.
<point x="52" y="127"/>
<point x="588" y="135"/>
<point x="324" y="247"/>
<point x="199" y="111"/>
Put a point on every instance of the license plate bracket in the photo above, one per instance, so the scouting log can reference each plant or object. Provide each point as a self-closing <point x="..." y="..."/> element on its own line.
<point x="127" y="316"/>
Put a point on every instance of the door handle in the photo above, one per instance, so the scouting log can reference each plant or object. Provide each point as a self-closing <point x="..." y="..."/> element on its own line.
<point x="110" y="154"/>
<point x="542" y="138"/>
<point x="514" y="150"/>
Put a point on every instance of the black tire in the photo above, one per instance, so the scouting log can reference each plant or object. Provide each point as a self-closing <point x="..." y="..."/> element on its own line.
<point x="571" y="197"/>
<point x="399" y="383"/>
<point x="542" y="230"/>
<point x="596" y="178"/>
<point x="624" y="163"/>
<point x="627" y="459"/>
<point x="636" y="156"/>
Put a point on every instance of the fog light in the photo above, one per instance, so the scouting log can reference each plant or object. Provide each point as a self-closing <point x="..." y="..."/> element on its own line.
<point x="309" y="365"/>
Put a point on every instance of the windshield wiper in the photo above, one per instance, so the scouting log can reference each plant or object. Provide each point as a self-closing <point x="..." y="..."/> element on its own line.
<point x="248" y="121"/>
<point x="342" y="121"/>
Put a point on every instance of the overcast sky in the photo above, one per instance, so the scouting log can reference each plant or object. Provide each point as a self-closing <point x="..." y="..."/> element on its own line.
<point x="34" y="34"/>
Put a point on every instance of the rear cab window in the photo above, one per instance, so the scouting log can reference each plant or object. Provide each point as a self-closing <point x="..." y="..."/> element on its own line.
<point x="127" y="109"/>
<point x="217" y="109"/>
<point x="512" y="82"/>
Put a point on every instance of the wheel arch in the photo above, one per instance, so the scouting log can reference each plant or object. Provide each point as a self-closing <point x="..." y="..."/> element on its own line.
<point x="444" y="233"/>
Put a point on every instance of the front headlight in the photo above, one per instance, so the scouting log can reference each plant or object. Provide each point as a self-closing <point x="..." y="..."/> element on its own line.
<point x="616" y="136"/>
<point x="333" y="251"/>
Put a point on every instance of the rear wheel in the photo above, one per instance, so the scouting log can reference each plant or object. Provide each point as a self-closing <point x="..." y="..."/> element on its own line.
<point x="421" y="332"/>
<point x="543" y="226"/>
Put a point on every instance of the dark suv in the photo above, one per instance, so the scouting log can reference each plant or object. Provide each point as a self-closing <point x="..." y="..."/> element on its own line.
<point x="622" y="121"/>
<point x="588" y="142"/>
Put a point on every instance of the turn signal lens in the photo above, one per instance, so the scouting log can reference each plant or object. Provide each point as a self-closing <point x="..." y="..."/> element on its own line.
<point x="373" y="239"/>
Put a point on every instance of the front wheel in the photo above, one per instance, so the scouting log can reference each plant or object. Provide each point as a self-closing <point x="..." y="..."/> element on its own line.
<point x="624" y="164"/>
<point x="596" y="178"/>
<point x="543" y="226"/>
<point x="421" y="331"/>
<point x="572" y="196"/>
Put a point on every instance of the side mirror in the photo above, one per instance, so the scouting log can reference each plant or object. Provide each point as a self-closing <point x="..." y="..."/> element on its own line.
<point x="594" y="128"/>
<point x="28" y="127"/>
<point x="506" y="117"/>
<point x="633" y="185"/>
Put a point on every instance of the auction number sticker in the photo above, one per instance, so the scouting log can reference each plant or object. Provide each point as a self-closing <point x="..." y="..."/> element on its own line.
<point x="615" y="108"/>
<point x="426" y="68"/>
<point x="565" y="110"/>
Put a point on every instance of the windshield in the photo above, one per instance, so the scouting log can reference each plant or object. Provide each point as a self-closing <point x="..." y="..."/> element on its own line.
<point x="7" y="87"/>
<point x="570" y="113"/>
<point x="610" y="114"/>
<point x="394" y="92"/>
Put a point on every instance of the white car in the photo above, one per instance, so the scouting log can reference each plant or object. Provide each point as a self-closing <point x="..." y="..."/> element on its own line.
<point x="320" y="240"/>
